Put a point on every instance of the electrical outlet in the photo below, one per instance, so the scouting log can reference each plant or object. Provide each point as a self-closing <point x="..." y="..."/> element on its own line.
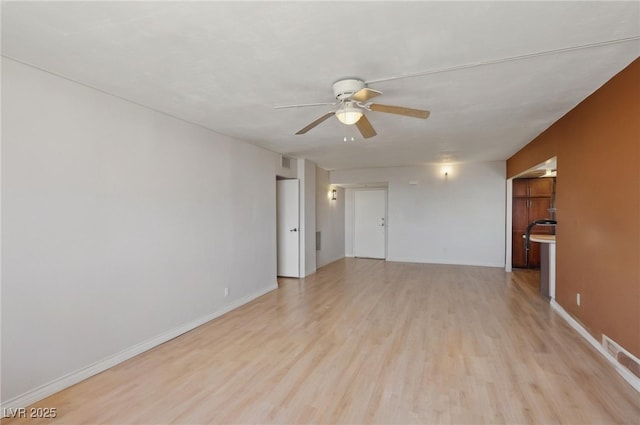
<point x="578" y="298"/>
<point x="226" y="292"/>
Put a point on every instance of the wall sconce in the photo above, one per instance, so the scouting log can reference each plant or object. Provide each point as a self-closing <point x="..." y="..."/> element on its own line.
<point x="333" y="194"/>
<point x="446" y="170"/>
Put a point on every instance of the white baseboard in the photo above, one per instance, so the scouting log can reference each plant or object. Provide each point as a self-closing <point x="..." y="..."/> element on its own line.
<point x="319" y="266"/>
<point x="79" y="375"/>
<point x="633" y="380"/>
<point x="447" y="262"/>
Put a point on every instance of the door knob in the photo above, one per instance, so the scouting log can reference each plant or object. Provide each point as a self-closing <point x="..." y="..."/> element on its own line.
<point x="295" y="229"/>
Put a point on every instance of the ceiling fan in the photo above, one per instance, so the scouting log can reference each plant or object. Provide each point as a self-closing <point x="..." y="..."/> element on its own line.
<point x="353" y="94"/>
<point x="353" y="97"/>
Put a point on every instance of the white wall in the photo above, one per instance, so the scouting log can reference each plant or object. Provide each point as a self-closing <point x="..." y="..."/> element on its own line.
<point x="289" y="173"/>
<point x="307" y="176"/>
<point x="349" y="220"/>
<point x="120" y="224"/>
<point x="309" y="185"/>
<point x="454" y="220"/>
<point x="330" y="217"/>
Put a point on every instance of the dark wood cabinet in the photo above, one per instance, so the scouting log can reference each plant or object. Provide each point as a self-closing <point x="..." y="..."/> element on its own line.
<point x="527" y="188"/>
<point x="520" y="214"/>
<point x="541" y="187"/>
<point x="521" y="188"/>
<point x="539" y="209"/>
<point x="532" y="199"/>
<point x="518" y="258"/>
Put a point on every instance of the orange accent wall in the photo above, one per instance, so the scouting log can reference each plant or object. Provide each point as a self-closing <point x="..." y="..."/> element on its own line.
<point x="543" y="147"/>
<point x="597" y="145"/>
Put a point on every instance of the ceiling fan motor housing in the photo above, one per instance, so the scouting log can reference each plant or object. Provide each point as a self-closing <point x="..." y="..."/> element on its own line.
<point x="344" y="89"/>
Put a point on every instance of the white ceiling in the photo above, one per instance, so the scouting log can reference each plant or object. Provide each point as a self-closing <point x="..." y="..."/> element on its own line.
<point x="226" y="65"/>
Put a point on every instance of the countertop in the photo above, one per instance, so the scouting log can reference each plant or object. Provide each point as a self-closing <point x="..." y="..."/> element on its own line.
<point x="543" y="238"/>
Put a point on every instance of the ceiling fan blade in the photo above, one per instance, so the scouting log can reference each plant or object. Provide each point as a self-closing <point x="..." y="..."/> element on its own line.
<point x="316" y="122"/>
<point x="302" y="105"/>
<point x="400" y="110"/>
<point x="365" y="127"/>
<point x="365" y="94"/>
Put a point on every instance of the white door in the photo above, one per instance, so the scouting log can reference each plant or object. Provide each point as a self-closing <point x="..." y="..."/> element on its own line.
<point x="288" y="227"/>
<point x="370" y="234"/>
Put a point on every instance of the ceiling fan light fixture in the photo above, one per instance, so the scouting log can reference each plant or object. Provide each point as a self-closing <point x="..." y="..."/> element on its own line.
<point x="353" y="96"/>
<point x="348" y="114"/>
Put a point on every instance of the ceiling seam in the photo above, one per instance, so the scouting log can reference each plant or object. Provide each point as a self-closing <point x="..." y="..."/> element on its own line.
<point x="507" y="59"/>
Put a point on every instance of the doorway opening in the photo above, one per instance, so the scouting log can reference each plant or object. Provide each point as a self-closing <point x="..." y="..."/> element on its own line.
<point x="530" y="197"/>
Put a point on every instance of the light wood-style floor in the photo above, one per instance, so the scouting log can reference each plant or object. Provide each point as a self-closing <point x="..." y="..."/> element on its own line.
<point x="368" y="341"/>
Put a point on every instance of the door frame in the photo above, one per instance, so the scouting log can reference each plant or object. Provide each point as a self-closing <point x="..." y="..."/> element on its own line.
<point x="299" y="274"/>
<point x="508" y="226"/>
<point x="386" y="217"/>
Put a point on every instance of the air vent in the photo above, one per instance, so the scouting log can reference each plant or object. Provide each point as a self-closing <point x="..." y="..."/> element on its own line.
<point x="285" y="162"/>
<point x="622" y="356"/>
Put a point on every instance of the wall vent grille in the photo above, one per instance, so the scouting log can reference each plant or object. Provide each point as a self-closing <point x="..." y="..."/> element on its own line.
<point x="285" y="162"/>
<point x="621" y="356"/>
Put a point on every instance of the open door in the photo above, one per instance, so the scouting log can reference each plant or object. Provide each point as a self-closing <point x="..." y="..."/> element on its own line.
<point x="288" y="227"/>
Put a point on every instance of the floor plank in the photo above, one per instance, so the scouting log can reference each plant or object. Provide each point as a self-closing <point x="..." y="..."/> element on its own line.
<point x="368" y="341"/>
